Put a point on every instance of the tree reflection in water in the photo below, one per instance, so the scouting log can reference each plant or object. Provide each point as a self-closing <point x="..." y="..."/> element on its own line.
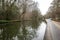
<point x="25" y="30"/>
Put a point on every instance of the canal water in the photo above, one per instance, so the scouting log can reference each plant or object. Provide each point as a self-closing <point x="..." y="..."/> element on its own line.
<point x="26" y="30"/>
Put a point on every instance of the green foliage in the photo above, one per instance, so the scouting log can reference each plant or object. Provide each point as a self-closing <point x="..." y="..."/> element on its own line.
<point x="36" y="15"/>
<point x="9" y="11"/>
<point x="12" y="13"/>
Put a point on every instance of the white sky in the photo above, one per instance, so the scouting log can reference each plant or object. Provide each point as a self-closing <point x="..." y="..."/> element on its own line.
<point x="44" y="5"/>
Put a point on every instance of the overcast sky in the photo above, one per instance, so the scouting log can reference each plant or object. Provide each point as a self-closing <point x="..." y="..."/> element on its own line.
<point x="44" y="5"/>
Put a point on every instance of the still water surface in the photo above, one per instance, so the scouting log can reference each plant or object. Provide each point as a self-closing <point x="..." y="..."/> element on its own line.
<point x="26" y="30"/>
